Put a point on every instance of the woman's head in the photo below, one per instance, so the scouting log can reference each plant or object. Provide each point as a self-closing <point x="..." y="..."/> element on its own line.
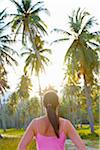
<point x="51" y="102"/>
<point x="51" y="99"/>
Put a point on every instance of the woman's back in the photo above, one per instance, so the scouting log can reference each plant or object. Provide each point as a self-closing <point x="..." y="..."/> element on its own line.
<point x="50" y="131"/>
<point x="45" y="135"/>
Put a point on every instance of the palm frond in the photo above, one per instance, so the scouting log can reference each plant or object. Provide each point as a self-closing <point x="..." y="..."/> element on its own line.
<point x="93" y="44"/>
<point x="8" y="58"/>
<point x="96" y="36"/>
<point x="83" y="14"/>
<point x="38" y="10"/>
<point x="59" y="40"/>
<point x="15" y="23"/>
<point x="36" y="5"/>
<point x="28" y="60"/>
<point x="89" y="24"/>
<point x="61" y="31"/>
<point x="77" y="15"/>
<point x="43" y="23"/>
<point x="25" y="53"/>
<point x="71" y="49"/>
<point x="41" y="28"/>
<point x="17" y="31"/>
<point x="45" y="59"/>
<point x="19" y="8"/>
<point x="96" y="33"/>
<point x="26" y="4"/>
<point x="2" y="15"/>
<point x="9" y="49"/>
<point x="45" y="50"/>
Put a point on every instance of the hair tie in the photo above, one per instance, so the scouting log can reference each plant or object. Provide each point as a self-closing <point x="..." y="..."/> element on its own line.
<point x="49" y="105"/>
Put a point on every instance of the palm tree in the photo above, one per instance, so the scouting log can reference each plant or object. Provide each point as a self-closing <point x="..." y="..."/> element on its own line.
<point x="24" y="87"/>
<point x="82" y="54"/>
<point x="12" y="108"/>
<point x="33" y="64"/>
<point x="28" y="22"/>
<point x="5" y="54"/>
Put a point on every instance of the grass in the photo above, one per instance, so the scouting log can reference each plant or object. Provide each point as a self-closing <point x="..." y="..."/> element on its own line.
<point x="12" y="138"/>
<point x="94" y="144"/>
<point x="12" y="143"/>
<point x="85" y="132"/>
<point x="12" y="132"/>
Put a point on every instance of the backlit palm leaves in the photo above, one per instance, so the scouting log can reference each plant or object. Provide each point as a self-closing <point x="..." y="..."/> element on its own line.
<point x="32" y="62"/>
<point x="5" y="54"/>
<point x="27" y="20"/>
<point x="5" y="51"/>
<point x="84" y="45"/>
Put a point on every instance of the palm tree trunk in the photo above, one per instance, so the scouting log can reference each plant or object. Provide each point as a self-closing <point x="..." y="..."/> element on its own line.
<point x="39" y="59"/>
<point x="17" y="119"/>
<point x="89" y="105"/>
<point x="0" y="110"/>
<point x="40" y="94"/>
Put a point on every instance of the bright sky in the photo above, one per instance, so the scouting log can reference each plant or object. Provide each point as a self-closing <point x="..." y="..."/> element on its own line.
<point x="59" y="10"/>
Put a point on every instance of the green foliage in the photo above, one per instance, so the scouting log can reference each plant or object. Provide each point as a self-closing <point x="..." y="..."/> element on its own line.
<point x="32" y="63"/>
<point x="3" y="80"/>
<point x="85" y="132"/>
<point x="25" y="86"/>
<point x="12" y="143"/>
<point x="6" y="53"/>
<point x="12" y="102"/>
<point x="12" y="132"/>
<point x="27" y="19"/>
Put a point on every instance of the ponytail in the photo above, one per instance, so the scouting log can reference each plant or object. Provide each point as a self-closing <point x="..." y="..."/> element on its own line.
<point x="51" y="103"/>
<point x="54" y="119"/>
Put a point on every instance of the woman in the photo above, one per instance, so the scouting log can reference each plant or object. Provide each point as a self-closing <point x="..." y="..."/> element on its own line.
<point x="50" y="131"/>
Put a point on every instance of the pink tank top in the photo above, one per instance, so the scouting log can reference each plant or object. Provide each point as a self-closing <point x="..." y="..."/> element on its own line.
<point x="50" y="142"/>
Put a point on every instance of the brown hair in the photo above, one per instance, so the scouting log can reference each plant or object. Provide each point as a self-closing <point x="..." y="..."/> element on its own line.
<point x="51" y="101"/>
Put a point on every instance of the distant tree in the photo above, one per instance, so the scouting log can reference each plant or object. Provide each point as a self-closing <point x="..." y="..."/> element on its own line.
<point x="29" y="109"/>
<point x="24" y="87"/>
<point x="13" y="101"/>
<point x="3" y="80"/>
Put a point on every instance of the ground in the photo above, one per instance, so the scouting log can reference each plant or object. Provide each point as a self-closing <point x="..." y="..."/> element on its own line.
<point x="71" y="146"/>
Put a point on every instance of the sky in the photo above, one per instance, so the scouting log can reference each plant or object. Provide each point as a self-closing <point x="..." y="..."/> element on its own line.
<point x="59" y="11"/>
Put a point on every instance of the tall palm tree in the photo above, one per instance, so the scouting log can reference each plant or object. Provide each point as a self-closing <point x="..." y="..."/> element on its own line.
<point x="82" y="53"/>
<point x="28" y="22"/>
<point x="33" y="64"/>
<point x="5" y="53"/>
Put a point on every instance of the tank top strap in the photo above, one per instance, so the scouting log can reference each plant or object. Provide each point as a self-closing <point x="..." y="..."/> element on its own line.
<point x="37" y="126"/>
<point x="64" y="124"/>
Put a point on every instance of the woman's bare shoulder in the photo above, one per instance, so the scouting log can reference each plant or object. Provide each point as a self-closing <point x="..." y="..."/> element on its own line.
<point x="36" y="121"/>
<point x="39" y="119"/>
<point x="66" y="122"/>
